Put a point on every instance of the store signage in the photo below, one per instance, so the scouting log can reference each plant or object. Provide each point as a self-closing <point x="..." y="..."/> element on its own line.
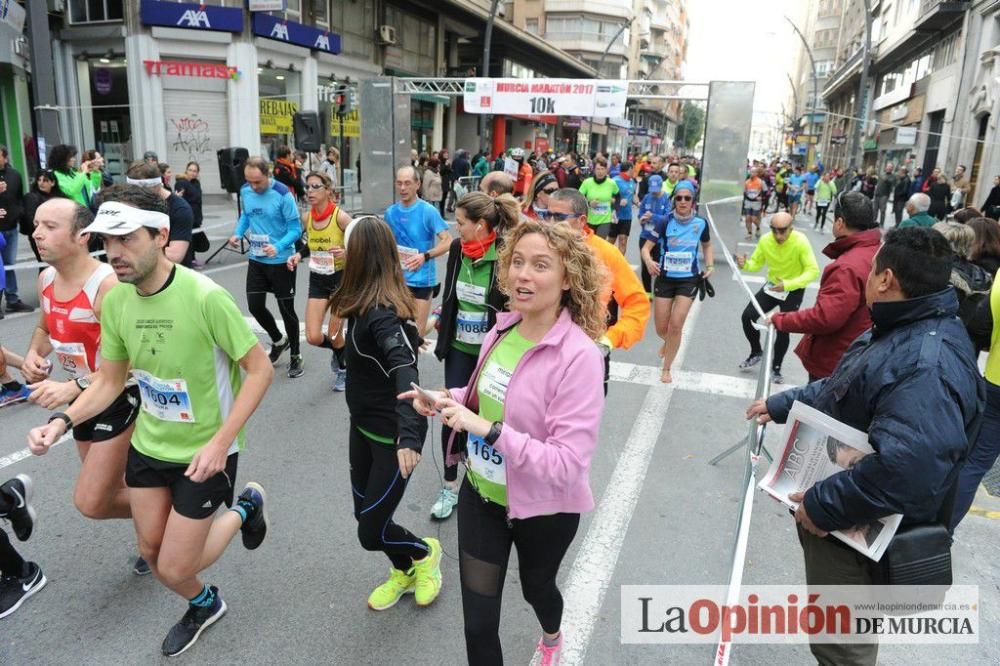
<point x="191" y="15"/>
<point x="572" y="122"/>
<point x="276" y="116"/>
<point x="554" y="97"/>
<point x="906" y="136"/>
<point x="202" y="70"/>
<point x="352" y="124"/>
<point x="638" y="131"/>
<point x="102" y="80"/>
<point x="838" y="140"/>
<point x="290" y="32"/>
<point x="267" y="5"/>
<point x="870" y="144"/>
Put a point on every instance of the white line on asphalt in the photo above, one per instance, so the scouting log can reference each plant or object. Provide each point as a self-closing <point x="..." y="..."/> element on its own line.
<point x="18" y="456"/>
<point x="256" y="328"/>
<point x="757" y="279"/>
<point x="597" y="558"/>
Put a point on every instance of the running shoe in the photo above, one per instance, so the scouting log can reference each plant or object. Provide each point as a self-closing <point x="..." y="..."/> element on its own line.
<point x="428" y="574"/>
<point x="254" y="528"/>
<point x="19" y="306"/>
<point x="340" y="380"/>
<point x="21" y="514"/>
<point x="549" y="654"/>
<point x="388" y="593"/>
<point x="295" y="368"/>
<point x="197" y="619"/>
<point x="141" y="567"/>
<point x="10" y="397"/>
<point x="777" y="377"/>
<point x="752" y="360"/>
<point x="445" y="504"/>
<point x="278" y="348"/>
<point x="15" y="589"/>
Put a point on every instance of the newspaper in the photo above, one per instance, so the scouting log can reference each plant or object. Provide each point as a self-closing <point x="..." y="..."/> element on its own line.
<point x="814" y="447"/>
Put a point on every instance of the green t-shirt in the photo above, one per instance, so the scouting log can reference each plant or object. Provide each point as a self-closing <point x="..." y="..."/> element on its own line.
<point x="471" y="290"/>
<point x="487" y="469"/>
<point x="184" y="344"/>
<point x="600" y="196"/>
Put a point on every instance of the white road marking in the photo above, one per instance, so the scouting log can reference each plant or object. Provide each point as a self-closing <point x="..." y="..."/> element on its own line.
<point x="18" y="456"/>
<point x="256" y="328"/>
<point x="597" y="558"/>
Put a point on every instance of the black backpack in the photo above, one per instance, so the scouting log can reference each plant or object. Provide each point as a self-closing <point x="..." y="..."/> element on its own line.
<point x="973" y="286"/>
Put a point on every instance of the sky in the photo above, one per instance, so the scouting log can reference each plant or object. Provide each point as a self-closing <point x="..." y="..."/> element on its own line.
<point x="737" y="40"/>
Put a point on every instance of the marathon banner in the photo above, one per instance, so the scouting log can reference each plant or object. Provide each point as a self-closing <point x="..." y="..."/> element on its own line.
<point x="547" y="97"/>
<point x="843" y="614"/>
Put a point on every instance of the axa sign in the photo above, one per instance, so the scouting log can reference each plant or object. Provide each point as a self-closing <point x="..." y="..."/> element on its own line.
<point x="290" y="32"/>
<point x="191" y="16"/>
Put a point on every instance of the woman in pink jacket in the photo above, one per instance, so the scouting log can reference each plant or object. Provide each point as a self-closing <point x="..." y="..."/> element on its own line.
<point x="532" y="410"/>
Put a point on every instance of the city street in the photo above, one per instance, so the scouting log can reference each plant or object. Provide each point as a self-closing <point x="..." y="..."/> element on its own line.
<point x="664" y="516"/>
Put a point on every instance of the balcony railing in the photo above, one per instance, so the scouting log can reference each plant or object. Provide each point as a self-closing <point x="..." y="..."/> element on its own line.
<point x="939" y="14"/>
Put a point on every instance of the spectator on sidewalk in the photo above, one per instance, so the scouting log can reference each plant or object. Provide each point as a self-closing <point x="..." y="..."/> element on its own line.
<point x="840" y="314"/>
<point x="986" y="247"/>
<point x="11" y="211"/>
<point x="917" y="208"/>
<point x="940" y="194"/>
<point x="900" y="193"/>
<point x="911" y="382"/>
<point x="883" y="190"/>
<point x="43" y="189"/>
<point x="991" y="207"/>
<point x="286" y="172"/>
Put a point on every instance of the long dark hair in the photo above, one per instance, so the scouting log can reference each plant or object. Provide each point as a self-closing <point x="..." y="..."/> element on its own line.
<point x="59" y="157"/>
<point x="373" y="276"/>
<point x="987" y="243"/>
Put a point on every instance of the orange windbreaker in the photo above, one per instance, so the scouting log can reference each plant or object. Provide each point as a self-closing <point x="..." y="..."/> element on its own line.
<point x="626" y="288"/>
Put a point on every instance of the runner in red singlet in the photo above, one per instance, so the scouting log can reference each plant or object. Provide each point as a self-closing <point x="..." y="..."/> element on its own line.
<point x="69" y="330"/>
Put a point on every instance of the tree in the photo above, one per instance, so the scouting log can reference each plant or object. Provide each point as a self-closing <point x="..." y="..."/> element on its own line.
<point x="692" y="124"/>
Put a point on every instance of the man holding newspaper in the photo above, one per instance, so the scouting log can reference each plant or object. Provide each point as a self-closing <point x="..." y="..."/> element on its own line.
<point x="912" y="384"/>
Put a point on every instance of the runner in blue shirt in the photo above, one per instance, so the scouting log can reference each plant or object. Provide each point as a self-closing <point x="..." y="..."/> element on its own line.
<point x="812" y="177"/>
<point x="421" y="236"/>
<point x="653" y="209"/>
<point x="621" y="229"/>
<point x="796" y="184"/>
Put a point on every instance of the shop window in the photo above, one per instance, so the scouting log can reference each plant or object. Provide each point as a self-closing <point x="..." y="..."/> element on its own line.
<point x="95" y="11"/>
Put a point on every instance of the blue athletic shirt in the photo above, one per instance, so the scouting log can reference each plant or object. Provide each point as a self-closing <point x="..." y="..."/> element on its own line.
<point x="678" y="243"/>
<point x="795" y="184"/>
<point x="660" y="208"/>
<point x="811" y="179"/>
<point x="416" y="228"/>
<point x="273" y="214"/>
<point x="626" y="188"/>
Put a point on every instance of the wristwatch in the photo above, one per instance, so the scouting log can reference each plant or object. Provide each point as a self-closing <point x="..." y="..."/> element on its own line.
<point x="62" y="416"/>
<point x="494" y="433"/>
<point x="427" y="256"/>
<point x="82" y="383"/>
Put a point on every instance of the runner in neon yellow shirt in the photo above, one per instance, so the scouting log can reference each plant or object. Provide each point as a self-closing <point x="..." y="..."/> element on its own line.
<point x="603" y="196"/>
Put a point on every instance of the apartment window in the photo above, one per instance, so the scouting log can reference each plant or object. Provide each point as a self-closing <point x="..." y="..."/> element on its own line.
<point x="417" y="40"/>
<point x="946" y="51"/>
<point x="355" y="21"/>
<point x="318" y="12"/>
<point x="95" y="11"/>
<point x="531" y="25"/>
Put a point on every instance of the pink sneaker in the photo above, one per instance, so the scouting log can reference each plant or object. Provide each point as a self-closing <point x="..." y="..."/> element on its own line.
<point x="550" y="655"/>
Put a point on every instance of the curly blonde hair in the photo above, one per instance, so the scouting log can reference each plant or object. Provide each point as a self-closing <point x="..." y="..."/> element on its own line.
<point x="588" y="279"/>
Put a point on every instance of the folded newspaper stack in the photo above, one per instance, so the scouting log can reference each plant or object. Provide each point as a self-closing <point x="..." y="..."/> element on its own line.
<point x="815" y="446"/>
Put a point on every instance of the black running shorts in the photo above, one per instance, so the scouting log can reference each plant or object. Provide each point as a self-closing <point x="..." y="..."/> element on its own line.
<point x="270" y="279"/>
<point x="190" y="499"/>
<point x="323" y="286"/>
<point x="422" y="293"/>
<point x="113" y="421"/>
<point x="665" y="287"/>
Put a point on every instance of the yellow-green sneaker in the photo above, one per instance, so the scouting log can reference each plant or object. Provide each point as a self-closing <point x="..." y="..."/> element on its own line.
<point x="388" y="593"/>
<point x="428" y="574"/>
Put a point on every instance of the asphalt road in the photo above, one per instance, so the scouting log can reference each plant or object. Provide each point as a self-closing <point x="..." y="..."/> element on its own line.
<point x="664" y="517"/>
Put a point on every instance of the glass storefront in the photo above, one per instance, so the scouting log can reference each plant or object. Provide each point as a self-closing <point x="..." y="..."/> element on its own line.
<point x="280" y="93"/>
<point x="109" y="113"/>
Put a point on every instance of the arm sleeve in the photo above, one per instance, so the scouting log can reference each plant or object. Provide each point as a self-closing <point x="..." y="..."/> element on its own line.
<point x="244" y="222"/>
<point x="633" y="304"/>
<point x="918" y="433"/>
<point x="705" y="237"/>
<point x="112" y="344"/>
<point x="837" y="300"/>
<point x="810" y="269"/>
<point x="572" y="421"/>
<point x="437" y="223"/>
<point x="779" y="404"/>
<point x="182" y="224"/>
<point x="756" y="260"/>
<point x="290" y="212"/>
<point x="226" y="324"/>
<point x="401" y="359"/>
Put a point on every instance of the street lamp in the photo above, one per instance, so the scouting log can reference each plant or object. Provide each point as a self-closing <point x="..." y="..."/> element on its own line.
<point x="600" y="64"/>
<point x="485" y="71"/>
<point x="857" y="152"/>
<point x="812" y="63"/>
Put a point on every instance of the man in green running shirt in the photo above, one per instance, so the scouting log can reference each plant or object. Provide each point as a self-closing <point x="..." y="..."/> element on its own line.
<point x="185" y="341"/>
<point x="603" y="197"/>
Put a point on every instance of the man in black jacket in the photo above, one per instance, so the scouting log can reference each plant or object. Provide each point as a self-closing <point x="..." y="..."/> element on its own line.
<point x="911" y="382"/>
<point x="11" y="210"/>
<point x="900" y="194"/>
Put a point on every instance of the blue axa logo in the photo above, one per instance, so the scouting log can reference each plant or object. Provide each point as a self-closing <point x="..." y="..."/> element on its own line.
<point x="195" y="18"/>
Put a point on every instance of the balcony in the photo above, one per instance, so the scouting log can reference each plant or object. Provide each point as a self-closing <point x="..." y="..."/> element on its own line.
<point x="938" y="15"/>
<point x="591" y="42"/>
<point x="619" y="9"/>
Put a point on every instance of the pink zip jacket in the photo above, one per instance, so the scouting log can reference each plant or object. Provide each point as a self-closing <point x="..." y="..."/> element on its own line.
<point x="552" y="416"/>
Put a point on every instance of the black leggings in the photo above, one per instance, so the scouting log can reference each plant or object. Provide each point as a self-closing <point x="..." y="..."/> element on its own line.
<point x="257" y="304"/>
<point x="378" y="487"/>
<point x="11" y="562"/>
<point x="767" y="302"/>
<point x="821" y="215"/>
<point x="484" y="540"/>
<point x="458" y="369"/>
<point x="654" y="253"/>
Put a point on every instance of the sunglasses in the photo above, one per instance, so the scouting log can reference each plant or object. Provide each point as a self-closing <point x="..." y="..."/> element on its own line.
<point x="315" y="186"/>
<point x="781" y="230"/>
<point x="557" y="217"/>
<point x="550" y="190"/>
<point x="683" y="198"/>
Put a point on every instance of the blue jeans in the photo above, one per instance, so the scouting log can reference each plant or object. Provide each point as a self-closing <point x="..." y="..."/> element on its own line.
<point x="9" y="255"/>
<point x="981" y="457"/>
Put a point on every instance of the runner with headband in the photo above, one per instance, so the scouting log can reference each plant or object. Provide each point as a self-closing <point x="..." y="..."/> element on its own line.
<point x="386" y="434"/>
<point x="472" y="299"/>
<point x="186" y="343"/>
<point x="324" y="223"/>
<point x="536" y="201"/>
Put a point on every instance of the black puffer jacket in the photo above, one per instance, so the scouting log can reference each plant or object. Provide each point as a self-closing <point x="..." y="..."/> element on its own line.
<point x="911" y="382"/>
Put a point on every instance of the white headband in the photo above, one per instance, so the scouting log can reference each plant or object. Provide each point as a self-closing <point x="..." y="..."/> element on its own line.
<point x="144" y="182"/>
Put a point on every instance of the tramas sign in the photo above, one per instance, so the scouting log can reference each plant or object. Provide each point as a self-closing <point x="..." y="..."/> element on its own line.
<point x="547" y="97"/>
